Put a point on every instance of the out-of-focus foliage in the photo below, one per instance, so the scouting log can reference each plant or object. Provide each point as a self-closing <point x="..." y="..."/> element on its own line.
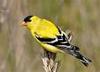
<point x="20" y="53"/>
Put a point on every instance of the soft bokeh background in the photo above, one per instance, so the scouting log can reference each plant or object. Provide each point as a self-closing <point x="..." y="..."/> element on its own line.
<point x="20" y="53"/>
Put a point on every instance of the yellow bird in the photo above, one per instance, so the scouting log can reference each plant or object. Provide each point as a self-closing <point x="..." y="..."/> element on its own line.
<point x="52" y="38"/>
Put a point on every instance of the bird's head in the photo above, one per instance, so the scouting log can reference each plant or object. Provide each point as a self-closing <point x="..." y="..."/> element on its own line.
<point x="31" y="22"/>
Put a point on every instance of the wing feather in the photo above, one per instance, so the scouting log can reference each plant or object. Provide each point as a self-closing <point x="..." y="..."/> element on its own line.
<point x="59" y="41"/>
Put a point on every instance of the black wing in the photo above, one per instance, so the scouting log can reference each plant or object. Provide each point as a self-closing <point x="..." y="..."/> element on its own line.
<point x="60" y="41"/>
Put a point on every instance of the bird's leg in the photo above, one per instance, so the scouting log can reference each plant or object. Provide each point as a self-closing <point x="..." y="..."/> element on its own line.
<point x="50" y="55"/>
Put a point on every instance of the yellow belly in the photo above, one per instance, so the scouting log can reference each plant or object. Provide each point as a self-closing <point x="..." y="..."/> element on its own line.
<point x="51" y="48"/>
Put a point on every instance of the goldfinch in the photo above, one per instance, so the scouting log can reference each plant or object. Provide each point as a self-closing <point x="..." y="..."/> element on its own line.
<point x="52" y="38"/>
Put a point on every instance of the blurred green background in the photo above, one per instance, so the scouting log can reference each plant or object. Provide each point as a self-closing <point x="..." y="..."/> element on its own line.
<point x="20" y="53"/>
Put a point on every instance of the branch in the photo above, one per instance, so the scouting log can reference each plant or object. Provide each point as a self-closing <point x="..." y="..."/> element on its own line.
<point x="49" y="63"/>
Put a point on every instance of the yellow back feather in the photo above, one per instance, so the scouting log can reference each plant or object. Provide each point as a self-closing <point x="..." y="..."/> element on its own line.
<point x="42" y="27"/>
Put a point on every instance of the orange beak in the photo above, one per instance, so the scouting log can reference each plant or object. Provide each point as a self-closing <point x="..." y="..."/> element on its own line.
<point x="24" y="24"/>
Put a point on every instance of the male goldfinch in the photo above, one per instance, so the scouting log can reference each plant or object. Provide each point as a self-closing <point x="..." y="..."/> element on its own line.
<point x="52" y="38"/>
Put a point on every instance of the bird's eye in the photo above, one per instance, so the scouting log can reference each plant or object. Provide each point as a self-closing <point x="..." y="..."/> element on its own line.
<point x="28" y="18"/>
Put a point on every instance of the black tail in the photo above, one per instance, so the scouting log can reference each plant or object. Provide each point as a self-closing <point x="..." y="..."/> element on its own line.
<point x="85" y="61"/>
<point x="74" y="51"/>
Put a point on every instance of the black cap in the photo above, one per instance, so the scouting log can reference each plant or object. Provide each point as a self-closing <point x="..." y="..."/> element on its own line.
<point x="27" y="19"/>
